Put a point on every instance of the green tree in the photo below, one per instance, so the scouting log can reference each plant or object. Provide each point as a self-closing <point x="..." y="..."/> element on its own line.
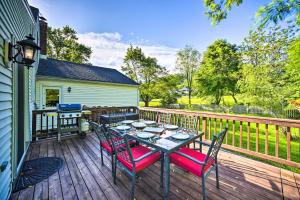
<point x="218" y="74"/>
<point x="276" y="10"/>
<point x="264" y="72"/>
<point x="292" y="69"/>
<point x="63" y="45"/>
<point x="143" y="70"/>
<point x="168" y="87"/>
<point x="188" y="61"/>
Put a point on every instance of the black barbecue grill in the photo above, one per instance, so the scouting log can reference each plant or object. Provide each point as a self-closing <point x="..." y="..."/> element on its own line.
<point x="68" y="119"/>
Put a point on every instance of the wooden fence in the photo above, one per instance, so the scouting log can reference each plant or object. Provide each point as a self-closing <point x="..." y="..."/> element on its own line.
<point x="273" y="139"/>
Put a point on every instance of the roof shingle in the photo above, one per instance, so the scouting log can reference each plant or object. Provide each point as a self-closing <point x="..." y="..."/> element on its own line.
<point x="62" y="69"/>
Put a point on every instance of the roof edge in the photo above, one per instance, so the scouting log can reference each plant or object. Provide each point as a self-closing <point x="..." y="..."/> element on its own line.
<point x="40" y="77"/>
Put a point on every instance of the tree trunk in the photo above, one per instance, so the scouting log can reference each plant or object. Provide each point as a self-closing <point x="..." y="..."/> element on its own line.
<point x="190" y="101"/>
<point x="235" y="100"/>
<point x="146" y="103"/>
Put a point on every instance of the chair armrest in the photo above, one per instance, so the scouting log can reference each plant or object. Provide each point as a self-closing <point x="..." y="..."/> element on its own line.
<point x="190" y="158"/>
<point x="145" y="155"/>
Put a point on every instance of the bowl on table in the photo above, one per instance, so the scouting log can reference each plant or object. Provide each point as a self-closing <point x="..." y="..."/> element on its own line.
<point x="139" y="125"/>
<point x="170" y="127"/>
<point x="123" y="128"/>
<point x="145" y="135"/>
<point x="127" y="122"/>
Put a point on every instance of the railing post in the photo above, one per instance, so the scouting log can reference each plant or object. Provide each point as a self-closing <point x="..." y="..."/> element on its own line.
<point x="267" y="140"/>
<point x="34" y="126"/>
<point x="257" y="137"/>
<point x="233" y="133"/>
<point x="204" y="126"/>
<point x="288" y="137"/>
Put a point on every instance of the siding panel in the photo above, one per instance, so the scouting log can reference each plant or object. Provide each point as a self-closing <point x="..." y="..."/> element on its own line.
<point x="15" y="23"/>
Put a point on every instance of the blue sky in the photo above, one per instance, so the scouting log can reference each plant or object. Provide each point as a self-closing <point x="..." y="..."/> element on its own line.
<point x="160" y="27"/>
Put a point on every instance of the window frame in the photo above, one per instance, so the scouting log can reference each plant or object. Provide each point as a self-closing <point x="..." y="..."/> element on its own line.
<point x="44" y="96"/>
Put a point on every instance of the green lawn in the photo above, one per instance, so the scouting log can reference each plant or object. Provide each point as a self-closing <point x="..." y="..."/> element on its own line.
<point x="227" y="100"/>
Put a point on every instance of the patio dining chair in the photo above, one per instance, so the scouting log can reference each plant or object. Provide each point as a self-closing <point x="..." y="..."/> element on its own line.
<point x="116" y="119"/>
<point x="164" y="118"/>
<point x="102" y="134"/>
<point x="200" y="164"/>
<point x="132" y="159"/>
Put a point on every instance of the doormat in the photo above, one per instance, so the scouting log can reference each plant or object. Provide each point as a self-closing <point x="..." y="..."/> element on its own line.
<point x="34" y="171"/>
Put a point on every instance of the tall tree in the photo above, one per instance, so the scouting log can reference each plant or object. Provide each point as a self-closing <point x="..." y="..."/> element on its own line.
<point x="264" y="76"/>
<point x="276" y="10"/>
<point x="168" y="87"/>
<point x="218" y="74"/>
<point x="143" y="70"/>
<point x="63" y="45"/>
<point x="188" y="62"/>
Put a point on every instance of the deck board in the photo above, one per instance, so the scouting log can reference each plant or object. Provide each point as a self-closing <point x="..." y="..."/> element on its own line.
<point x="83" y="177"/>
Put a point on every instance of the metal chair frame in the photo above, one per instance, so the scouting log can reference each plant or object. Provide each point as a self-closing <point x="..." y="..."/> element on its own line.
<point x="120" y="147"/>
<point x="212" y="153"/>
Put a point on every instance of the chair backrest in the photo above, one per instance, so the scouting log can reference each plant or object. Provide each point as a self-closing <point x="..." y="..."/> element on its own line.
<point x="189" y="123"/>
<point x="215" y="146"/>
<point x="121" y="145"/>
<point x="101" y="132"/>
<point x="116" y="118"/>
<point x="164" y="118"/>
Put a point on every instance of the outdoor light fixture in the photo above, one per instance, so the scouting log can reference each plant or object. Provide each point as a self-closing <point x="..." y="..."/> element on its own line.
<point x="69" y="89"/>
<point x="25" y="48"/>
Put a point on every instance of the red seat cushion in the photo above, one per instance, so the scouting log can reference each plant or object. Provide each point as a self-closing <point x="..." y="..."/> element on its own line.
<point x="137" y="152"/>
<point x="188" y="164"/>
<point x="108" y="148"/>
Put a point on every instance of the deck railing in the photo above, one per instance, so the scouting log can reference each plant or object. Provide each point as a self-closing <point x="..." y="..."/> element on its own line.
<point x="44" y="121"/>
<point x="273" y="139"/>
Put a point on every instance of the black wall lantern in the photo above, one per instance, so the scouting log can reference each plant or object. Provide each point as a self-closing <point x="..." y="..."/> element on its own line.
<point x="25" y="48"/>
<point x="69" y="89"/>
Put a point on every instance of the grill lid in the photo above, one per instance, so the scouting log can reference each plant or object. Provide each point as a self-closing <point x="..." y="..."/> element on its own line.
<point x="69" y="107"/>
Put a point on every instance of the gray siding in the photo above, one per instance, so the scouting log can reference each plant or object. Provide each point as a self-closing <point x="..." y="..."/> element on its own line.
<point x="15" y="22"/>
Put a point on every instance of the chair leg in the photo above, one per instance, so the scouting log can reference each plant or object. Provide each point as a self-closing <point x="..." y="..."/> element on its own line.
<point x="217" y="176"/>
<point x="203" y="187"/>
<point x="115" y="170"/>
<point x="101" y="153"/>
<point x="112" y="164"/>
<point x="133" y="182"/>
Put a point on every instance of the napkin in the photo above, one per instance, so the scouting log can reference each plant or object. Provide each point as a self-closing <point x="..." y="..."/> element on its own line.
<point x="165" y="143"/>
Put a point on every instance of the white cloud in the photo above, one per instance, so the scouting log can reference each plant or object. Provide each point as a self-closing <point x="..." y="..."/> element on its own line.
<point x="109" y="50"/>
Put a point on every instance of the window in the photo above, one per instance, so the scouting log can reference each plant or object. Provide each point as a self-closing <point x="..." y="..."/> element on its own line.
<point x="52" y="97"/>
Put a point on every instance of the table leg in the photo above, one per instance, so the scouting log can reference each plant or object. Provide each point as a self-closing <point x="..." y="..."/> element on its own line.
<point x="166" y="176"/>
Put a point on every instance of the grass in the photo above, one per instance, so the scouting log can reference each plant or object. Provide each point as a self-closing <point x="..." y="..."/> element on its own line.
<point x="227" y="100"/>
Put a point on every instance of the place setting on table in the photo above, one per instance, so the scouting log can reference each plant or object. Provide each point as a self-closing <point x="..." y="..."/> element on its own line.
<point x="166" y="136"/>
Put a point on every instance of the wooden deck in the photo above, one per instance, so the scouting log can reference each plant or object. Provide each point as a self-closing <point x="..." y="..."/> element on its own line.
<point x="83" y="177"/>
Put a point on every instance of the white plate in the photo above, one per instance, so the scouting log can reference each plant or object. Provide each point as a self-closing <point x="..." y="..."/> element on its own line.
<point x="127" y="122"/>
<point x="170" y="127"/>
<point x="180" y="136"/>
<point x="147" y="122"/>
<point x="123" y="128"/>
<point x="145" y="135"/>
<point x="138" y="124"/>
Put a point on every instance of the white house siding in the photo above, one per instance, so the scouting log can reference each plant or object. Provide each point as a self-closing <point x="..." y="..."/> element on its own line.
<point x="16" y="21"/>
<point x="86" y="93"/>
<point x="90" y="93"/>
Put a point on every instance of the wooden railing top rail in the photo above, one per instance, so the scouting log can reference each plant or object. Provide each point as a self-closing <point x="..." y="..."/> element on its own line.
<point x="252" y="119"/>
<point x="40" y="111"/>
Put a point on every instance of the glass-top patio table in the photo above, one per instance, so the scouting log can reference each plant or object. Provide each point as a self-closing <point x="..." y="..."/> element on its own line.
<point x="167" y="145"/>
